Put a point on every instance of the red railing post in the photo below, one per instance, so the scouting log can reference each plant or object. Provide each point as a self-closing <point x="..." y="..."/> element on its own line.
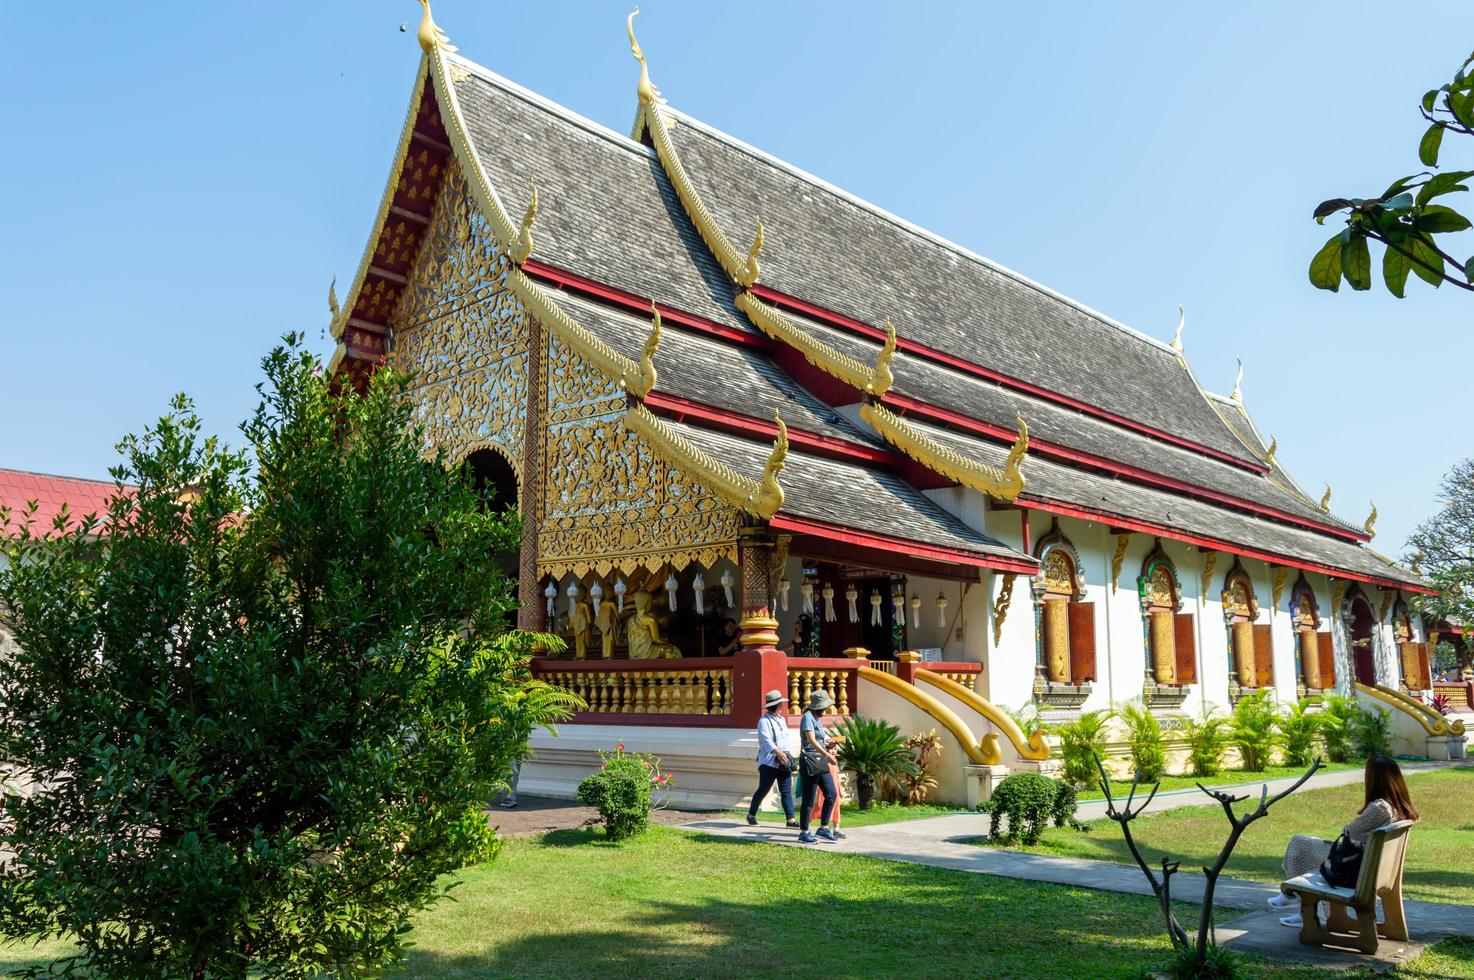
<point x="908" y="662"/>
<point x="756" y="671"/>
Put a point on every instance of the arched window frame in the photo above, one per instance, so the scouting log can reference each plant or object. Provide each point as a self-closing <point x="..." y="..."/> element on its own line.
<point x="1159" y="590"/>
<point x="1240" y="604"/>
<point x="1052" y="550"/>
<point x="1315" y="659"/>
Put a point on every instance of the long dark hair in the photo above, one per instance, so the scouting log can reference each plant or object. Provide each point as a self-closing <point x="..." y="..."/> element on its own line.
<point x="1384" y="782"/>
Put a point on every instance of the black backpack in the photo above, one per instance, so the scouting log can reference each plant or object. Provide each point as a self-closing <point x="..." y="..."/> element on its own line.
<point x="1342" y="866"/>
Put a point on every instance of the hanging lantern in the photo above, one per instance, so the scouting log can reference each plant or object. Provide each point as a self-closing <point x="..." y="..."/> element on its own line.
<point x="727" y="583"/>
<point x="670" y="590"/>
<point x="572" y="595"/>
<point x="941" y="611"/>
<point x="875" y="619"/>
<point x="852" y="594"/>
<point x="552" y="593"/>
<point x="828" y="594"/>
<point x="597" y="594"/>
<point x="807" y="591"/>
<point x="898" y="607"/>
<point x="915" y="611"/>
<point x="699" y="584"/>
<point x="783" y="586"/>
<point x="619" y="590"/>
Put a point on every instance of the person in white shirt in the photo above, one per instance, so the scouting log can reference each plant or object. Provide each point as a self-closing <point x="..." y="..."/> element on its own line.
<point x="773" y="762"/>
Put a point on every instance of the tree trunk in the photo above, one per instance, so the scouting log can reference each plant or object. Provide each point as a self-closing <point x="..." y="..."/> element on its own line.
<point x="866" y="787"/>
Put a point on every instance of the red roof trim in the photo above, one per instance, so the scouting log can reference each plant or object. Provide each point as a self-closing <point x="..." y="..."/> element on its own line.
<point x="1056" y="450"/>
<point x="882" y="542"/>
<point x="833" y="319"/>
<point x="1146" y="527"/>
<point x="564" y="279"/>
<point x="749" y="426"/>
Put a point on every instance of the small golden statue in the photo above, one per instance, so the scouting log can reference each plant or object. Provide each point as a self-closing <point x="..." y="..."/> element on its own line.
<point x="579" y="621"/>
<point x="643" y="633"/>
<point x="608" y="623"/>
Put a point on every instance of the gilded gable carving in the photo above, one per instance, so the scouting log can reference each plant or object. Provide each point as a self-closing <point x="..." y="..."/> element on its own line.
<point x="462" y="334"/>
<point x="608" y="501"/>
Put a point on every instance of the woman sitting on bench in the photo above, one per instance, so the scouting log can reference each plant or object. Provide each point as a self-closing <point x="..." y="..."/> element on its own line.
<point x="1386" y="801"/>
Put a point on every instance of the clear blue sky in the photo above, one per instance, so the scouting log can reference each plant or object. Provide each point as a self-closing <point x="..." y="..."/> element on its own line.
<point x="183" y="180"/>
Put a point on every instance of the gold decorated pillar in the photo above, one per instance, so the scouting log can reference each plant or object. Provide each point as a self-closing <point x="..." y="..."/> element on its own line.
<point x="1310" y="658"/>
<point x="1164" y="647"/>
<point x="1057" y="639"/>
<point x="1243" y="654"/>
<point x="755" y="556"/>
<point x="531" y="612"/>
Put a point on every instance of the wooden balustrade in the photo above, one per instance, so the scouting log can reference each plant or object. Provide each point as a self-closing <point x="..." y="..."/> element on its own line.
<point x="965" y="674"/>
<point x="838" y="677"/>
<point x="884" y="666"/>
<point x="694" y="688"/>
<point x="1460" y="694"/>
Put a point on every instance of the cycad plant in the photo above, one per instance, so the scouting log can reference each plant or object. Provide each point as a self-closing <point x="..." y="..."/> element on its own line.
<point x="1301" y="727"/>
<point x="874" y="751"/>
<point x="1144" y="735"/>
<point x="1079" y="740"/>
<point x="1371" y="732"/>
<point x="1206" y="741"/>
<point x="1255" y="729"/>
<point x="1338" y="726"/>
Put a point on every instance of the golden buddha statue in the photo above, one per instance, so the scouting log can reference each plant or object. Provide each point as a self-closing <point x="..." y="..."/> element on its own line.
<point x="608" y="623"/>
<point x="643" y="633"/>
<point x="580" y="618"/>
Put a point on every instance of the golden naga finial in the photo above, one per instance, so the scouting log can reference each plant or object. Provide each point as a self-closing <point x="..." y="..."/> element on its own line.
<point x="1274" y="447"/>
<point x="1177" y="340"/>
<point x="1011" y="466"/>
<point x="647" y="355"/>
<point x="1238" y="384"/>
<point x="522" y="246"/>
<point x="649" y="94"/>
<point x="769" y="496"/>
<point x="882" y="379"/>
<point x="333" y="300"/>
<point x="750" y="269"/>
<point x="1325" y="500"/>
<point x="431" y="36"/>
<point x="1370" y="521"/>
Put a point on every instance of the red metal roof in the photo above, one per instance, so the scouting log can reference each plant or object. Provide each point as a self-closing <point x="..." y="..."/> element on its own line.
<point x="81" y="497"/>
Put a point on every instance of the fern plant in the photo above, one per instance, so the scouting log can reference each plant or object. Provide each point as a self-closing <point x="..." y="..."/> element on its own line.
<point x="1207" y="739"/>
<point x="1255" y="729"/>
<point x="1301" y="728"/>
<point x="1144" y="735"/>
<point x="1079" y="740"/>
<point x="1371" y="733"/>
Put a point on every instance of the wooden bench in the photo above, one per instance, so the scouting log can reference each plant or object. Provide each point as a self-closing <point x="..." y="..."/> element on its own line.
<point x="1380" y="877"/>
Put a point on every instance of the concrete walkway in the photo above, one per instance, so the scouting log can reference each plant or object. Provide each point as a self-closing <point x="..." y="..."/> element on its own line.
<point x="945" y="842"/>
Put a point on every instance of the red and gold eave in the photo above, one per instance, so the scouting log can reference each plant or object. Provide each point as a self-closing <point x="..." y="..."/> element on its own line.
<point x="409" y="199"/>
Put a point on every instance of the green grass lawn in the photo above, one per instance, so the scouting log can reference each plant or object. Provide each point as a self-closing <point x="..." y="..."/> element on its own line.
<point x="1229" y="777"/>
<point x="1438" y="866"/>
<point x="852" y="816"/>
<point x="680" y="904"/>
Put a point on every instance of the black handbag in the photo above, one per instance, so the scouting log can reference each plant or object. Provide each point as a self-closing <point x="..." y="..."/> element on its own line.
<point x="816" y="763"/>
<point x="1342" y="866"/>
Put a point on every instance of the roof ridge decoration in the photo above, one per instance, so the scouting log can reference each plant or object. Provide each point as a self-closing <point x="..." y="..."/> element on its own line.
<point x="762" y="498"/>
<point x="431" y="37"/>
<point x="1177" y="338"/>
<point x="872" y="380"/>
<point x="1002" y="484"/>
<point x="1370" y="522"/>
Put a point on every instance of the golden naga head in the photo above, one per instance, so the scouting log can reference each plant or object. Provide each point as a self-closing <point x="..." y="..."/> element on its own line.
<point x="645" y="382"/>
<point x="1370" y="522"/>
<point x="769" y="497"/>
<point x="750" y="269"/>
<point x="522" y="244"/>
<point x="1274" y="447"/>
<point x="430" y="36"/>
<point x="881" y="377"/>
<point x="649" y="94"/>
<point x="1325" y="500"/>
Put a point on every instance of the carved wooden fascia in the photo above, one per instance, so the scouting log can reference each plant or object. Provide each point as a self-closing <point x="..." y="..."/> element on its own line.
<point x="1002" y="484"/>
<point x="762" y="497"/>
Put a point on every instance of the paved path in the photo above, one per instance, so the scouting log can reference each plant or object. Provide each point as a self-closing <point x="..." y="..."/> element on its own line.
<point x="944" y="842"/>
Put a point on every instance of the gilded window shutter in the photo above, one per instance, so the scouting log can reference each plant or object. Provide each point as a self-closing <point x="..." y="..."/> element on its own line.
<point x="1263" y="656"/>
<point x="1426" y="673"/>
<point x="1187" y="649"/>
<point x="1082" y="642"/>
<point x="1327" y="660"/>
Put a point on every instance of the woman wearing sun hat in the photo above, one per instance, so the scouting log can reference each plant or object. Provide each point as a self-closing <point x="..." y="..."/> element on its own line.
<point x="773" y="762"/>
<point x="817" y="758"/>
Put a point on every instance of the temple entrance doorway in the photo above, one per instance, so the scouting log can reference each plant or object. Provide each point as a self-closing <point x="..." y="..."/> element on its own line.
<point x="1363" y="662"/>
<point x="496" y="482"/>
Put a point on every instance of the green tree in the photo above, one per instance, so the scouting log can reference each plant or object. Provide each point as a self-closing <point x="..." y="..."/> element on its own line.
<point x="1405" y="219"/>
<point x="1442" y="549"/>
<point x="265" y="713"/>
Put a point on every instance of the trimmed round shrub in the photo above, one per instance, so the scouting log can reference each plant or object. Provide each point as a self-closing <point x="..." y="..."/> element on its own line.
<point x="621" y="791"/>
<point x="1030" y="801"/>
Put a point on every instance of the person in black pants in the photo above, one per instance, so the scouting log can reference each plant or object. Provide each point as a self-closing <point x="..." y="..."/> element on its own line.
<point x="817" y="757"/>
<point x="773" y="761"/>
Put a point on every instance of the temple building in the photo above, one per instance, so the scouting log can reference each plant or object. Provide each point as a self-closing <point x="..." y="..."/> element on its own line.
<point x="719" y="388"/>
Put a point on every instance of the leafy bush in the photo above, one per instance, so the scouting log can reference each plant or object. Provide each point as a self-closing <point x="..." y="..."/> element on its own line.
<point x="1301" y="728"/>
<point x="1026" y="717"/>
<point x="1207" y="739"/>
<point x="622" y="791"/>
<point x="1371" y="733"/>
<point x="1029" y="801"/>
<point x="1079" y="740"/>
<point x="1338" y="726"/>
<point x="1441" y="703"/>
<point x="270" y="709"/>
<point x="1144" y="735"/>
<point x="912" y="788"/>
<point x="1219" y="963"/>
<point x="1255" y="729"/>
<point x="874" y="751"/>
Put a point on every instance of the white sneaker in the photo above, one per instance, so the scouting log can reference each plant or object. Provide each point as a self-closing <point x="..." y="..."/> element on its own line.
<point x="1293" y="921"/>
<point x="1281" y="901"/>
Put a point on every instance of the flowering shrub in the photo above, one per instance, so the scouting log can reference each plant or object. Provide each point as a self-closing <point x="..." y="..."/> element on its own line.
<point x="623" y="790"/>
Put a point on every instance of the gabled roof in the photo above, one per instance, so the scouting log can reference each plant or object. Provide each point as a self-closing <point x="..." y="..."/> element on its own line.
<point x="79" y="497"/>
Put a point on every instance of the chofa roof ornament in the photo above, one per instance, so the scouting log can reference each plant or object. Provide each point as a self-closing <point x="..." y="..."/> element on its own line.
<point x="431" y="36"/>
